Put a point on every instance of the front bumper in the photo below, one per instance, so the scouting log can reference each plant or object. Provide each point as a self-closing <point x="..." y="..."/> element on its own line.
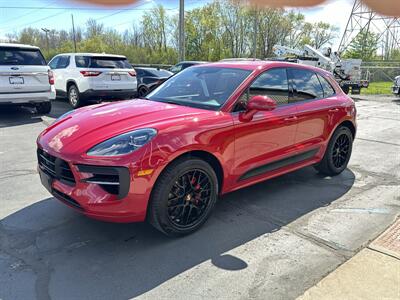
<point x="108" y="94"/>
<point x="396" y="90"/>
<point x="93" y="190"/>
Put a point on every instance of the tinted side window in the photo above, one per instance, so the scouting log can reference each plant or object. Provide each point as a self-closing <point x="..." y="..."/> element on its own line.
<point x="139" y="72"/>
<point x="272" y="83"/>
<point x="53" y="63"/>
<point x="176" y="68"/>
<point x="326" y="86"/>
<point x="63" y="62"/>
<point x="81" y="61"/>
<point x="306" y="84"/>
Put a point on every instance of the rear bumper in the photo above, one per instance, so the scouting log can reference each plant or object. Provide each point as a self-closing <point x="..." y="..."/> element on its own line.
<point x="108" y="94"/>
<point x="27" y="98"/>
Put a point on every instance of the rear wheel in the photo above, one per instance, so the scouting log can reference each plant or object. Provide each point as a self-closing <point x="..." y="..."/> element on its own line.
<point x="43" y="108"/>
<point x="74" y="96"/>
<point x="338" y="152"/>
<point x="183" y="197"/>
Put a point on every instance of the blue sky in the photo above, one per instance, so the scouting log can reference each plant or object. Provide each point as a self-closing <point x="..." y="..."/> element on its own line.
<point x="47" y="13"/>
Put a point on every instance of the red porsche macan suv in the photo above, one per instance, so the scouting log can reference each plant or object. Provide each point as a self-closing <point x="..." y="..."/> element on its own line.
<point x="209" y="130"/>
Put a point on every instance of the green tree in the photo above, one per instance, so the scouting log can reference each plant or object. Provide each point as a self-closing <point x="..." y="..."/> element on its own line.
<point x="363" y="46"/>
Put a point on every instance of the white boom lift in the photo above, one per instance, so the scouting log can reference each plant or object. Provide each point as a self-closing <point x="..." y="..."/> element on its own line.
<point x="346" y="72"/>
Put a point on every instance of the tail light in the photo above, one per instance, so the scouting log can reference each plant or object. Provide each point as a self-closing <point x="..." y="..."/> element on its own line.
<point x="51" y="77"/>
<point x="132" y="73"/>
<point x="90" y="73"/>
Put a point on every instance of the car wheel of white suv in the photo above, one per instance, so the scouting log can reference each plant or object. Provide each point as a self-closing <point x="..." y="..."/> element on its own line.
<point x="43" y="108"/>
<point x="74" y="97"/>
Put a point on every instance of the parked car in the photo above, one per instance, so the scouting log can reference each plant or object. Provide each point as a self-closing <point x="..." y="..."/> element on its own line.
<point x="396" y="86"/>
<point x="206" y="131"/>
<point x="25" y="79"/>
<point x="184" y="64"/>
<point x="240" y="59"/>
<point x="149" y="78"/>
<point x="92" y="76"/>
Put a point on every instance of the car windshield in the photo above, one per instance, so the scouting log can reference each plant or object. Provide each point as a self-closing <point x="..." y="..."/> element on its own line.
<point x="203" y="87"/>
<point x="18" y="56"/>
<point x="102" y="62"/>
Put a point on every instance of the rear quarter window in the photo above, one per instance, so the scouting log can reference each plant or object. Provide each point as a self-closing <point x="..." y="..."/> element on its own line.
<point x="19" y="56"/>
<point x="326" y="86"/>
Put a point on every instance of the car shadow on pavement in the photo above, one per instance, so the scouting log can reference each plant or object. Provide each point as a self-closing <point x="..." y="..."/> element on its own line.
<point x="14" y="116"/>
<point x="73" y="257"/>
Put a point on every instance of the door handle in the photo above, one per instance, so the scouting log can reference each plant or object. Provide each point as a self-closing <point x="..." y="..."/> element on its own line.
<point x="334" y="110"/>
<point x="290" y="119"/>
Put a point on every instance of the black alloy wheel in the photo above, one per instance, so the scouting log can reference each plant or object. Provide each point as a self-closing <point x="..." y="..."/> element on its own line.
<point x="340" y="151"/>
<point x="337" y="153"/>
<point x="188" y="198"/>
<point x="183" y="197"/>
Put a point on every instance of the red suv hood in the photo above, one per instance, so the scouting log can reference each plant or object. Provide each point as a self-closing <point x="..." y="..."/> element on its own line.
<point x="91" y="125"/>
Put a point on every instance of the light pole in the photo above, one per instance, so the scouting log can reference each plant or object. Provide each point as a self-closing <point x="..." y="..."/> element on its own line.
<point x="47" y="39"/>
<point x="73" y="31"/>
<point x="181" y="30"/>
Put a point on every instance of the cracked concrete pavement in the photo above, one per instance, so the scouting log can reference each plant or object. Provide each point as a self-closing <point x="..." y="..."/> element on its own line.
<point x="273" y="240"/>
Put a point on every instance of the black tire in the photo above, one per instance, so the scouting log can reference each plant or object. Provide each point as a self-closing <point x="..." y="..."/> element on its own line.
<point x="142" y="91"/>
<point x="168" y="216"/>
<point x="346" y="89"/>
<point x="74" y="96"/>
<point x="338" y="152"/>
<point x="43" y="108"/>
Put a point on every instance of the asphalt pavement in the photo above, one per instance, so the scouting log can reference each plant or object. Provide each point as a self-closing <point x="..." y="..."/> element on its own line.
<point x="273" y="240"/>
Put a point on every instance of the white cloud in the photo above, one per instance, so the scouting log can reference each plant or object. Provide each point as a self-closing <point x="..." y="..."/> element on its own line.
<point x="333" y="12"/>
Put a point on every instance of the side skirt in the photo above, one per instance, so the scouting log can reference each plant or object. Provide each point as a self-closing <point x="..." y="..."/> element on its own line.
<point x="279" y="164"/>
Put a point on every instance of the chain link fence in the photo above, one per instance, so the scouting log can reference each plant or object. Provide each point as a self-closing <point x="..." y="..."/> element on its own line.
<point x="378" y="71"/>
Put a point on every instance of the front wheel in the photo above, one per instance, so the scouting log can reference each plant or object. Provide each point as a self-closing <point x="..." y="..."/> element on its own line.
<point x="43" y="108"/>
<point x="143" y="91"/>
<point x="183" y="197"/>
<point x="338" y="152"/>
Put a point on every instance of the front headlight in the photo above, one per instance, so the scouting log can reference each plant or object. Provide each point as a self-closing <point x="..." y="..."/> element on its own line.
<point x="124" y="143"/>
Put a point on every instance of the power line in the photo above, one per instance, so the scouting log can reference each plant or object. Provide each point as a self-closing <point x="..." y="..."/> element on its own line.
<point x="36" y="21"/>
<point x="120" y="11"/>
<point x="24" y="15"/>
<point x="71" y="8"/>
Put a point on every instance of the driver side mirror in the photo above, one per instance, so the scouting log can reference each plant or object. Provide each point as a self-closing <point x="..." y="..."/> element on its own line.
<point x="258" y="103"/>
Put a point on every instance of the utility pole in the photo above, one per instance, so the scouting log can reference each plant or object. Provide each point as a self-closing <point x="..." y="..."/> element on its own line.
<point x="73" y="31"/>
<point x="181" y="30"/>
<point x="255" y="33"/>
<point x="47" y="39"/>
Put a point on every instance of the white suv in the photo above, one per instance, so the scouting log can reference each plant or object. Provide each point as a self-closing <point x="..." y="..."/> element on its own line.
<point x="25" y="79"/>
<point x="91" y="76"/>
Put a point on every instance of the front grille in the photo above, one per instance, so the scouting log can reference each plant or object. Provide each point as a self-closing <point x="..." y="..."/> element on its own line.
<point x="55" y="167"/>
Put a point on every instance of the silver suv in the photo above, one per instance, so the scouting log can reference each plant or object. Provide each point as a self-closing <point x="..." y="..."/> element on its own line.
<point x="25" y="79"/>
